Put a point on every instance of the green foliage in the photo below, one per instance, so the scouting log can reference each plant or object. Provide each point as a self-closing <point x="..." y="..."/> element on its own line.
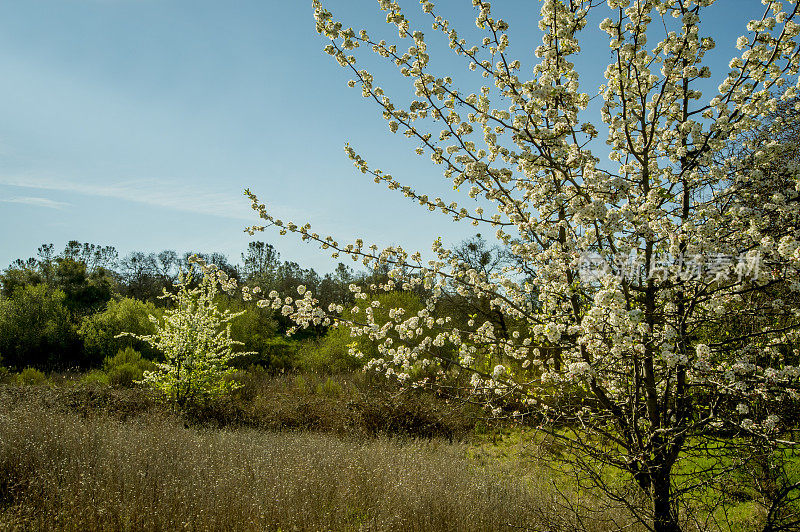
<point x="125" y="375"/>
<point x="88" y="282"/>
<point x="331" y="354"/>
<point x="258" y="332"/>
<point x="17" y="276"/>
<point x="85" y="291"/>
<point x="124" y="356"/>
<point x="279" y="353"/>
<point x="96" y="377"/>
<point x="31" y="376"/>
<point x="100" y="332"/>
<point x="329" y="388"/>
<point x="35" y="329"/>
<point x="126" y="367"/>
<point x="195" y="338"/>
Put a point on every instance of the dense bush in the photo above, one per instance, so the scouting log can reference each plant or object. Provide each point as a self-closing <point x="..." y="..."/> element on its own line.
<point x="95" y="377"/>
<point x="277" y="354"/>
<point x="258" y="331"/>
<point x="330" y="354"/>
<point x="36" y="331"/>
<point x="99" y="331"/>
<point x="126" y="367"/>
<point x="31" y="377"/>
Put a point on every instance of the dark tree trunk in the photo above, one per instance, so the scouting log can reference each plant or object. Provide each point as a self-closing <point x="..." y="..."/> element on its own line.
<point x="664" y="519"/>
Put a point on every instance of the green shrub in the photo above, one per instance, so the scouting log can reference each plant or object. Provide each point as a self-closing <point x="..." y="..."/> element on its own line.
<point x="127" y="355"/>
<point x="126" y="367"/>
<point x="125" y="375"/>
<point x="35" y="329"/>
<point x="99" y="331"/>
<point x="329" y="355"/>
<point x="329" y="388"/>
<point x="31" y="376"/>
<point x="276" y="354"/>
<point x="95" y="377"/>
<point x="257" y="330"/>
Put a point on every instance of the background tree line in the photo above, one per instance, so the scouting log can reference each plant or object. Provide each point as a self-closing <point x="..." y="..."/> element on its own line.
<point x="63" y="310"/>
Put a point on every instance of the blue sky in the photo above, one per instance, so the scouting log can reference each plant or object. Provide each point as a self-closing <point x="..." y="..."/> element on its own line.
<point x="138" y="123"/>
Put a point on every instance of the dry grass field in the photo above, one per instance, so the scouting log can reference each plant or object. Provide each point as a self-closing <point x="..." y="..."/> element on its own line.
<point x="67" y="469"/>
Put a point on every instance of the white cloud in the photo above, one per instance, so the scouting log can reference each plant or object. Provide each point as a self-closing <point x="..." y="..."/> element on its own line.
<point x="36" y="202"/>
<point x="158" y="193"/>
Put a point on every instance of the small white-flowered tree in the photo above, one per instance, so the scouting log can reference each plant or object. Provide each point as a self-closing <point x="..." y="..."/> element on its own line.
<point x="195" y="339"/>
<point x="681" y="342"/>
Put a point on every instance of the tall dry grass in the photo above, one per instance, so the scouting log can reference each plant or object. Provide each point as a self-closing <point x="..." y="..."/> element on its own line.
<point x="61" y="470"/>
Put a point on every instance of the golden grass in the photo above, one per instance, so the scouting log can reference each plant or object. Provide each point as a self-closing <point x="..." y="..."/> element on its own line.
<point x="61" y="470"/>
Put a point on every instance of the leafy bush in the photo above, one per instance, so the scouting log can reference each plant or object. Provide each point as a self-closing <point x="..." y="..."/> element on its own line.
<point x="31" y="376"/>
<point x="126" y="367"/>
<point x="329" y="355"/>
<point x="125" y="375"/>
<point x="127" y="355"/>
<point x="100" y="331"/>
<point x="35" y="329"/>
<point x="257" y="330"/>
<point x="95" y="377"/>
<point x="276" y="354"/>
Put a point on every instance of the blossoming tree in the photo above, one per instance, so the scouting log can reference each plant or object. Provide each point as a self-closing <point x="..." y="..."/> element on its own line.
<point x="195" y="338"/>
<point x="629" y="273"/>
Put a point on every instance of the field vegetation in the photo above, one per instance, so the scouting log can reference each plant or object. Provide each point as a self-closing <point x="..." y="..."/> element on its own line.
<point x="495" y="385"/>
<point x="303" y="438"/>
<point x="301" y="451"/>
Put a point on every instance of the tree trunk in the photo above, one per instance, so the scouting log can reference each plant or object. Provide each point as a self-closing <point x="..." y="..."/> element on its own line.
<point x="664" y="520"/>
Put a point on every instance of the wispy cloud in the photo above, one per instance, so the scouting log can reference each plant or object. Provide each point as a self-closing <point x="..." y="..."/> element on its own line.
<point x="36" y="202"/>
<point x="158" y="193"/>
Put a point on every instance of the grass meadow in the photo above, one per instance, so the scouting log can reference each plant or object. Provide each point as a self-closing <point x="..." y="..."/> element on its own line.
<point x="100" y="460"/>
<point x="297" y="452"/>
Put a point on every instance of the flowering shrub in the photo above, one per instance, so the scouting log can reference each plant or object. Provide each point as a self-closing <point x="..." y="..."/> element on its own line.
<point x="658" y="376"/>
<point x="195" y="338"/>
